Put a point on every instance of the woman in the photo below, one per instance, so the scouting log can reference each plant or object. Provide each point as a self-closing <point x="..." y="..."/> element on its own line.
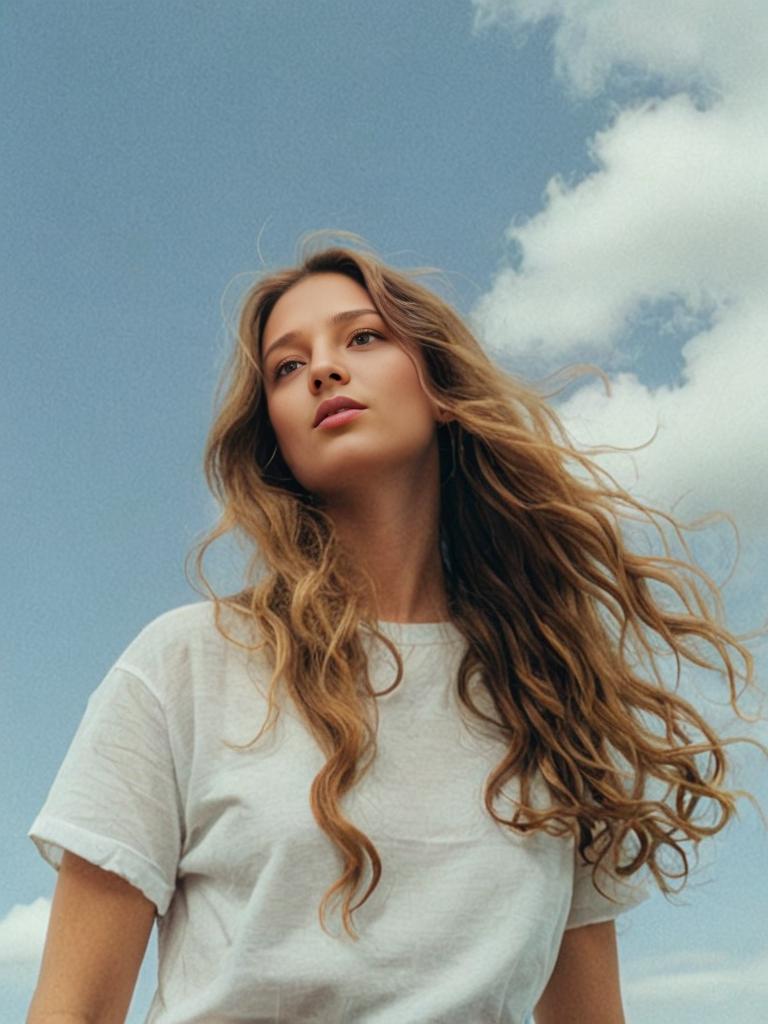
<point x="455" y="734"/>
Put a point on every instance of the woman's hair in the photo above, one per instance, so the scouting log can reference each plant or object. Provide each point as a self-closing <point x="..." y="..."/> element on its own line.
<point x="559" y="615"/>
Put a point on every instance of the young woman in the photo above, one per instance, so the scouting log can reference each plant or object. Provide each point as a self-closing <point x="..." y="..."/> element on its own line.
<point x="449" y="649"/>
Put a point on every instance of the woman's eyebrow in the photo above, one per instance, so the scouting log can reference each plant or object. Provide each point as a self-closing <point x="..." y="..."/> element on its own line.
<point x="337" y="318"/>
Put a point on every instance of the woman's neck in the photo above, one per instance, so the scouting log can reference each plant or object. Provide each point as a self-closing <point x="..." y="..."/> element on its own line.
<point x="399" y="547"/>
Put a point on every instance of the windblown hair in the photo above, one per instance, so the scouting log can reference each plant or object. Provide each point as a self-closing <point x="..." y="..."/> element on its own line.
<point x="558" y="613"/>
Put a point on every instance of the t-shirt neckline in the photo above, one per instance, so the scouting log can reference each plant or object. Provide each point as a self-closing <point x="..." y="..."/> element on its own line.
<point x="420" y="632"/>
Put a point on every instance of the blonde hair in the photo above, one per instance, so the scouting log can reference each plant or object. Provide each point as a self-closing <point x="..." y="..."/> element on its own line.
<point x="558" y="614"/>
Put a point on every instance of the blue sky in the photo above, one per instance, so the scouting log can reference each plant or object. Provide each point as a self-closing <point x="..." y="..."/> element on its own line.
<point x="588" y="182"/>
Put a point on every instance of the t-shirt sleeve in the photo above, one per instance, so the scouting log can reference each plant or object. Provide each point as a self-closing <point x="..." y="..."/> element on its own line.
<point x="115" y="799"/>
<point x="589" y="906"/>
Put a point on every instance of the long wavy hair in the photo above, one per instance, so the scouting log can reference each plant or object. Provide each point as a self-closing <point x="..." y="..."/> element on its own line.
<point x="559" y="615"/>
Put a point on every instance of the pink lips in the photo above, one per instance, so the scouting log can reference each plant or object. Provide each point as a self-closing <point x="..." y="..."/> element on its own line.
<point x="337" y="419"/>
<point x="333" y="405"/>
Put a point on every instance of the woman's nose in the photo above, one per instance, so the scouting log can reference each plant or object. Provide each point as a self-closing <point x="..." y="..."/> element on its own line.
<point x="329" y="370"/>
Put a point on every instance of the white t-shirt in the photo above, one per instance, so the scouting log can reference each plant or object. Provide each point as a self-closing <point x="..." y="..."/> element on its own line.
<point x="467" y="919"/>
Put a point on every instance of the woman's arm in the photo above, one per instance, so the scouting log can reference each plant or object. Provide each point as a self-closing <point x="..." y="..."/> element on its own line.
<point x="584" y="986"/>
<point x="97" y="936"/>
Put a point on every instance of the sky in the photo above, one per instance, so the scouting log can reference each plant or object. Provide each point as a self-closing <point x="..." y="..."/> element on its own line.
<point x="589" y="177"/>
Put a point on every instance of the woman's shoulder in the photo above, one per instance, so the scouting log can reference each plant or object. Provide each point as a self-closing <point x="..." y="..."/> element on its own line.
<point x="178" y="627"/>
<point x="177" y="623"/>
<point x="184" y="644"/>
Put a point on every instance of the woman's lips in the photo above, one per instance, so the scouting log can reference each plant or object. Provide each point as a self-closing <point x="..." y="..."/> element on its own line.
<point x="338" y="419"/>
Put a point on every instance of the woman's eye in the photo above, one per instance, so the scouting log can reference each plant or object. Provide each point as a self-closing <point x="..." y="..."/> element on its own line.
<point x="282" y="366"/>
<point x="359" y="334"/>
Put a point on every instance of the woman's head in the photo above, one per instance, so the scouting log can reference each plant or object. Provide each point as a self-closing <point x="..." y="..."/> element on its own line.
<point x="561" y="622"/>
<point x="418" y="361"/>
<point x="441" y="403"/>
<point x="325" y="339"/>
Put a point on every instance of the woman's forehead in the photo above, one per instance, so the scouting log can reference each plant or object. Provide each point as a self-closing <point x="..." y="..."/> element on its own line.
<point x="311" y="302"/>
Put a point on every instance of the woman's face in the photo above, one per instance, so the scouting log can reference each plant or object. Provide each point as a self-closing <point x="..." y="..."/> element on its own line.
<point x="357" y="358"/>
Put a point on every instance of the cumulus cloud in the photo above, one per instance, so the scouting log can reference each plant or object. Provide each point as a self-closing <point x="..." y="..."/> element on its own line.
<point x="709" y="444"/>
<point x="704" y="45"/>
<point x="22" y="932"/>
<point x="689" y="979"/>
<point x="674" y="210"/>
<point x="674" y="216"/>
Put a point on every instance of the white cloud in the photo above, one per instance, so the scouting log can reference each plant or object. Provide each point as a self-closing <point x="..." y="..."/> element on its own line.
<point x="709" y="446"/>
<point x="22" y="932"/>
<point x="707" y="44"/>
<point x="693" y="978"/>
<point x="676" y="209"/>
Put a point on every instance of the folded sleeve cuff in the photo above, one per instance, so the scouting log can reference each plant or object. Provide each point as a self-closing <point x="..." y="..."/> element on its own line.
<point x="52" y="836"/>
